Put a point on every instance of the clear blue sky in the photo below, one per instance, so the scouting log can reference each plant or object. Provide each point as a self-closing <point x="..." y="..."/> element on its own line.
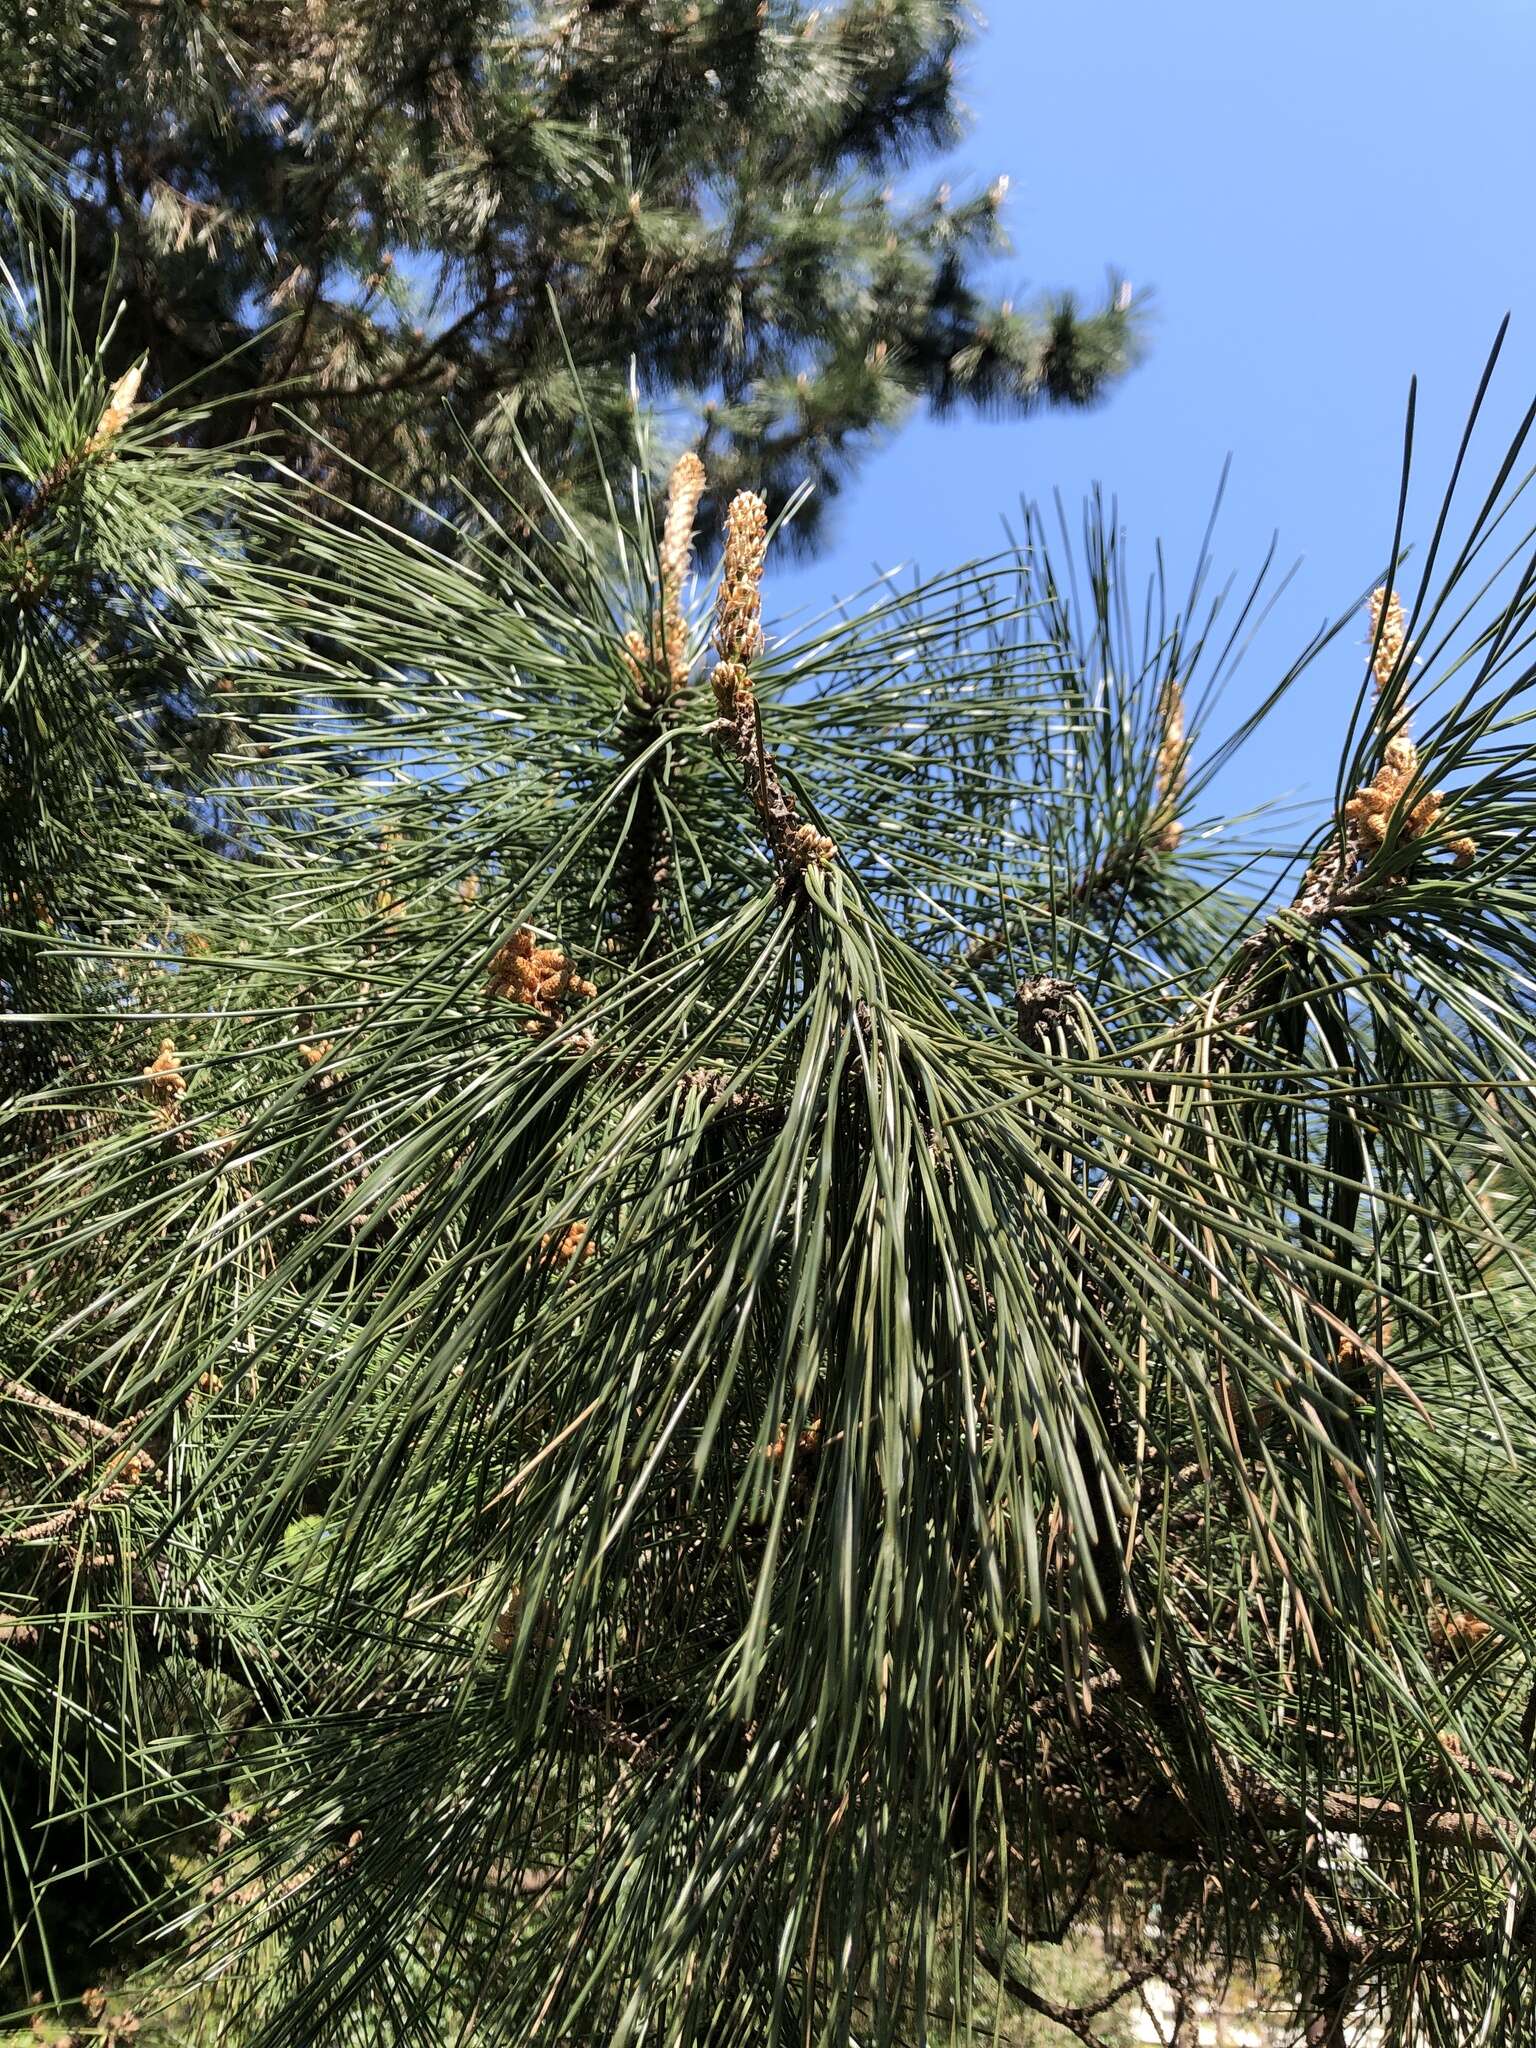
<point x="1324" y="197"/>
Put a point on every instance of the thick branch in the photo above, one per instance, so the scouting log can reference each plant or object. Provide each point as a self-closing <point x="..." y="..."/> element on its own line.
<point x="794" y="844"/>
<point x="1162" y="1825"/>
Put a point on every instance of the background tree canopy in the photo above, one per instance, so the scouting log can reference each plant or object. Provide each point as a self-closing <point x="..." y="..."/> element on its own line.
<point x="364" y="210"/>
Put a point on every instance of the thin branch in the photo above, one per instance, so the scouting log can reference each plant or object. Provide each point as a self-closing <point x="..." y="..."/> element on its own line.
<point x="88" y="1425"/>
<point x="1076" y="2019"/>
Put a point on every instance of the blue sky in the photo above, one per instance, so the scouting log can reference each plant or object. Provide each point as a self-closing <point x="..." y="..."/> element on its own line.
<point x="1323" y="198"/>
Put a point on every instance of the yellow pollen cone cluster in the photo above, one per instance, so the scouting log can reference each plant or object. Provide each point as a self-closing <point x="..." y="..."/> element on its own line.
<point x="1168" y="782"/>
<point x="570" y="1243"/>
<point x="665" y="646"/>
<point x="1374" y="806"/>
<point x="540" y="976"/>
<point x="739" y="607"/>
<point x="164" y="1084"/>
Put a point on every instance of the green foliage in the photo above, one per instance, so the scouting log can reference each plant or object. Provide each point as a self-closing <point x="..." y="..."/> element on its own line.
<point x="362" y="210"/>
<point x="42" y="44"/>
<point x="103" y="524"/>
<point x="651" y="1429"/>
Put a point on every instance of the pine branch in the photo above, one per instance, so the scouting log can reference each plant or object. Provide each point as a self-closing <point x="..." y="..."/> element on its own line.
<point x="86" y="1425"/>
<point x="1161" y="1823"/>
<point x="1117" y="875"/>
<point x="795" y="845"/>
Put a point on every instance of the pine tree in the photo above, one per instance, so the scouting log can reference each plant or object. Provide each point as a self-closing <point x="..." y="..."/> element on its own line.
<point x="401" y="224"/>
<point x="741" y="1322"/>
